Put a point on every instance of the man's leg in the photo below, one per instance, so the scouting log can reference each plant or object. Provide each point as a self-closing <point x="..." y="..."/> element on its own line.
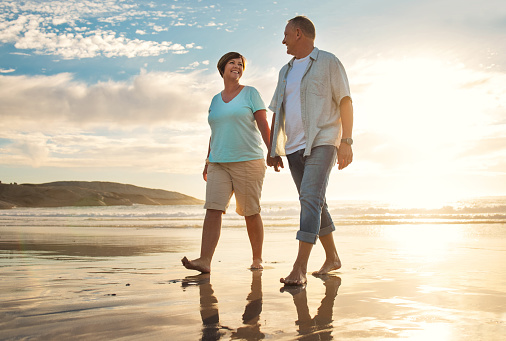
<point x="299" y="270"/>
<point x="332" y="261"/>
<point x="298" y="274"/>
<point x="313" y="187"/>
<point x="310" y="175"/>
<point x="210" y="236"/>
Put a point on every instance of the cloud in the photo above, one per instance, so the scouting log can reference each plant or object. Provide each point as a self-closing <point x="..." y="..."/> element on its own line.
<point x="214" y="24"/>
<point x="192" y="66"/>
<point x="155" y="150"/>
<point x="156" y="121"/>
<point x="158" y="28"/>
<point x="41" y="103"/>
<point x="20" y="54"/>
<point x="147" y="99"/>
<point x="28" y="148"/>
<point x="52" y="29"/>
<point x="92" y="44"/>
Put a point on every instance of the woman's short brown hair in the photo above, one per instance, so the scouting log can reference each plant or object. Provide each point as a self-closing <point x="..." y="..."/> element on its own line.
<point x="226" y="58"/>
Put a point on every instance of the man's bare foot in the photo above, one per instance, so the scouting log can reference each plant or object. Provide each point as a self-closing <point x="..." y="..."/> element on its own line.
<point x="329" y="265"/>
<point x="332" y="283"/>
<point x="296" y="277"/>
<point x="256" y="265"/>
<point x="329" y="279"/>
<point x="196" y="264"/>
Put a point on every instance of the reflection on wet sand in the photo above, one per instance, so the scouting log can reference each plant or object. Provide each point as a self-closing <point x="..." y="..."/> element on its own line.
<point x="98" y="243"/>
<point x="320" y="326"/>
<point x="251" y="316"/>
<point x="212" y="330"/>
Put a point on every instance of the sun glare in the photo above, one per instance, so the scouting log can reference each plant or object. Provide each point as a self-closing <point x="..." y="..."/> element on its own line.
<point x="422" y="116"/>
<point x="430" y="242"/>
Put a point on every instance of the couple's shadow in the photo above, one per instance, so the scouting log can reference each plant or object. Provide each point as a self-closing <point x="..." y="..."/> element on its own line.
<point x="320" y="326"/>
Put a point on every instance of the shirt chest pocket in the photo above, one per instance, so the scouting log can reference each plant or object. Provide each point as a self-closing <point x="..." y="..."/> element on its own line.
<point x="317" y="88"/>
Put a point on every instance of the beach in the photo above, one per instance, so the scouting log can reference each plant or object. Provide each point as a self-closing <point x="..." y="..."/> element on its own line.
<point x="118" y="277"/>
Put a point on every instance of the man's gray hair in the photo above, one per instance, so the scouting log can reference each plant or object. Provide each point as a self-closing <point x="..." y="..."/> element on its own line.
<point x="305" y="25"/>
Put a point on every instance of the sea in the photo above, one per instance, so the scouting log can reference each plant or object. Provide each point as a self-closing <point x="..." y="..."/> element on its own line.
<point x="485" y="210"/>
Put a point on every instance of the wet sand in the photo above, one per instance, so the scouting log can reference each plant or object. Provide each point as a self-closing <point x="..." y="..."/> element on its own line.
<point x="416" y="282"/>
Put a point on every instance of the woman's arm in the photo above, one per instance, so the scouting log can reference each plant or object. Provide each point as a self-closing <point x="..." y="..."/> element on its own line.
<point x="204" y="173"/>
<point x="276" y="161"/>
<point x="263" y="126"/>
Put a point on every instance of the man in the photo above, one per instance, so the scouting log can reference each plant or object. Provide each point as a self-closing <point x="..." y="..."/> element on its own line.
<point x="312" y="125"/>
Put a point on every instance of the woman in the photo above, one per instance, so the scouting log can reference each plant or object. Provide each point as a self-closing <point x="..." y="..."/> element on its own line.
<point x="235" y="161"/>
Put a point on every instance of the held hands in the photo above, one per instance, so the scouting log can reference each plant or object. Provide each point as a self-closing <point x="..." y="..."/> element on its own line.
<point x="344" y="155"/>
<point x="275" y="162"/>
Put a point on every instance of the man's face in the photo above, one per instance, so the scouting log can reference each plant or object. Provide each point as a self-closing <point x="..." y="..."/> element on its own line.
<point x="290" y="38"/>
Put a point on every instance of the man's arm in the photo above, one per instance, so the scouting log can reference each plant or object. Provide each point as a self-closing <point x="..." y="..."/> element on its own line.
<point x="276" y="161"/>
<point x="345" y="153"/>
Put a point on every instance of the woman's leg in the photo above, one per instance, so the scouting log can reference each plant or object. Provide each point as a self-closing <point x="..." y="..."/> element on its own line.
<point x="247" y="178"/>
<point x="218" y="193"/>
<point x="255" y="228"/>
<point x="210" y="236"/>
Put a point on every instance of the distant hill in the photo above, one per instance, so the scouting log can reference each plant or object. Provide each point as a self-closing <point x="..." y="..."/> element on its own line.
<point x="83" y="193"/>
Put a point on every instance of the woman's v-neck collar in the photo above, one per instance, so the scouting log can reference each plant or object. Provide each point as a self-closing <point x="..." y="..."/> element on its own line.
<point x="221" y="96"/>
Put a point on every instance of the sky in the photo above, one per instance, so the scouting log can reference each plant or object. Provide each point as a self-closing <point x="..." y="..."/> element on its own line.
<point x="119" y="91"/>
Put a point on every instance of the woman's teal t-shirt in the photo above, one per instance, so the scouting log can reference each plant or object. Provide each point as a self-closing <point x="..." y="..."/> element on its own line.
<point x="234" y="133"/>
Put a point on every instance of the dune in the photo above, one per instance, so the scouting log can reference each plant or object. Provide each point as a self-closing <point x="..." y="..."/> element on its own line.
<point x="83" y="193"/>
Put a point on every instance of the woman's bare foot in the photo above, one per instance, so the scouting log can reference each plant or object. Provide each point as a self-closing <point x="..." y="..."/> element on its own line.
<point x="256" y="265"/>
<point x="197" y="264"/>
<point x="296" y="277"/>
<point x="293" y="289"/>
<point x="329" y="265"/>
<point x="200" y="279"/>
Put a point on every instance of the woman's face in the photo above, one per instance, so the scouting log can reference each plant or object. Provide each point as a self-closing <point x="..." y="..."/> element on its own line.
<point x="233" y="69"/>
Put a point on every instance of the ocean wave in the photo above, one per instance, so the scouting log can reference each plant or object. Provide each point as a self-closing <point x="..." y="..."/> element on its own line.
<point x="484" y="211"/>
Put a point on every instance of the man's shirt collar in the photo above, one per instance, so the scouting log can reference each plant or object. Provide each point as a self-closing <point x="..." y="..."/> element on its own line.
<point x="313" y="55"/>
